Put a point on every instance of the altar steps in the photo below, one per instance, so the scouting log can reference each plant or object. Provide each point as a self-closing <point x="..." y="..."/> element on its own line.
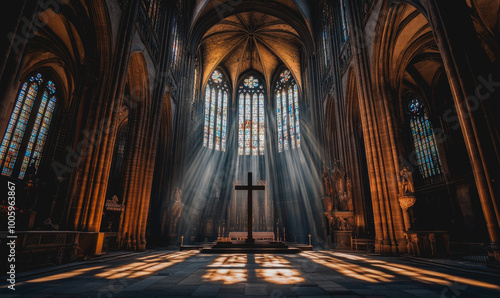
<point x="242" y="247"/>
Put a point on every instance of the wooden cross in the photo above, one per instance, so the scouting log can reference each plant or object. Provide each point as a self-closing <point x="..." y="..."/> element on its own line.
<point x="250" y="187"/>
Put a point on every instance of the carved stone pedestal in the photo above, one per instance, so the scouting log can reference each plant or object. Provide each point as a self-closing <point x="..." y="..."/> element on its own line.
<point x="342" y="239"/>
<point x="406" y="201"/>
<point x="327" y="203"/>
<point x="342" y="225"/>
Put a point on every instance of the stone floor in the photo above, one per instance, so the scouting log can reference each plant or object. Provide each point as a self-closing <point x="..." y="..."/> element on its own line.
<point x="309" y="274"/>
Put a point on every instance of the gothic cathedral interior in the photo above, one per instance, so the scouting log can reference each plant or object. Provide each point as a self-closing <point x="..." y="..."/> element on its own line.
<point x="132" y="124"/>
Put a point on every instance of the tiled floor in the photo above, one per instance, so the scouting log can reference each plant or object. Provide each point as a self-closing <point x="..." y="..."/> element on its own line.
<point x="309" y="274"/>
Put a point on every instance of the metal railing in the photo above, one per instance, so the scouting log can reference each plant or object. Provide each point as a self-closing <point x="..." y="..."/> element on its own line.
<point x="474" y="252"/>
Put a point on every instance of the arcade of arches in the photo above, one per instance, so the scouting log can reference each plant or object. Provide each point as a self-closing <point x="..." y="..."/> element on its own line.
<point x="126" y="124"/>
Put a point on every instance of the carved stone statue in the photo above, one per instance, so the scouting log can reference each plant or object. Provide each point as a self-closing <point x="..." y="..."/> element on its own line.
<point x="176" y="211"/>
<point x="348" y="185"/>
<point x="343" y="224"/>
<point x="406" y="181"/>
<point x="327" y="181"/>
<point x="328" y="203"/>
<point x="343" y="201"/>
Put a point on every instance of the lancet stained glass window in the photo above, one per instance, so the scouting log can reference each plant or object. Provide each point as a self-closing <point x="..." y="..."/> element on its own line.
<point x="216" y="101"/>
<point x="175" y="44"/>
<point x="287" y="112"/>
<point x="424" y="140"/>
<point x="251" y="117"/>
<point x="326" y="46"/>
<point x="343" y="14"/>
<point x="38" y="95"/>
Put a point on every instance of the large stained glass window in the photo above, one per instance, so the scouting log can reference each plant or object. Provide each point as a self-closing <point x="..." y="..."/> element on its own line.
<point x="424" y="140"/>
<point x="251" y="117"/>
<point x="287" y="112"/>
<point x="24" y="140"/>
<point x="216" y="101"/>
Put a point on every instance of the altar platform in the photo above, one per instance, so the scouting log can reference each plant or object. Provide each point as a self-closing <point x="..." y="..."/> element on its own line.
<point x="258" y="246"/>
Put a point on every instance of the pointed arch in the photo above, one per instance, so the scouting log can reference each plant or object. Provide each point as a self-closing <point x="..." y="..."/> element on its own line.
<point x="25" y="137"/>
<point x="251" y="97"/>
<point x="217" y="93"/>
<point x="286" y="95"/>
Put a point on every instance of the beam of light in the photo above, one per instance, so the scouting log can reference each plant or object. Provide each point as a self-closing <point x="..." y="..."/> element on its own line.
<point x="434" y="276"/>
<point x="146" y="267"/>
<point x="232" y="261"/>
<point x="348" y="269"/>
<point x="280" y="276"/>
<point x="265" y="260"/>
<point x="418" y="274"/>
<point x="293" y="180"/>
<point x="270" y="268"/>
<point x="65" y="275"/>
<point x="226" y="276"/>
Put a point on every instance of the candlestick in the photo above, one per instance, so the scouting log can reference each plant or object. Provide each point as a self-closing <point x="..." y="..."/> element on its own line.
<point x="182" y="240"/>
<point x="310" y="240"/>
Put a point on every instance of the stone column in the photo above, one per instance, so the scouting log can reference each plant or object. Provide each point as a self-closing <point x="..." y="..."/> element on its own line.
<point x="475" y="86"/>
<point x="90" y="181"/>
<point x="380" y="147"/>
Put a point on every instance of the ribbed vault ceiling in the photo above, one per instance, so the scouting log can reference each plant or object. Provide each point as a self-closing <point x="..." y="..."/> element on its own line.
<point x="251" y="41"/>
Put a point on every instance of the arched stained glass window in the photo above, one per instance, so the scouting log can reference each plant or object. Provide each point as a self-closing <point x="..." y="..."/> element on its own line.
<point x="216" y="101"/>
<point x="35" y="95"/>
<point x="424" y="140"/>
<point x="251" y="117"/>
<point x="287" y="112"/>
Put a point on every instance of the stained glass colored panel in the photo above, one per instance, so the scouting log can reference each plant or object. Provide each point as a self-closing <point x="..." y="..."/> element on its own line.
<point x="255" y="125"/>
<point x="297" y="118"/>
<point x="34" y="132"/>
<point x="345" y="32"/>
<point x="218" y="133"/>
<point x="287" y="112"/>
<point x="285" y="119"/>
<point x="22" y="121"/>
<point x="217" y="77"/>
<point x="241" y="116"/>
<point x="216" y="105"/>
<point x="251" y="116"/>
<point x="326" y="48"/>
<point x="291" y="116"/>
<point x="207" y="116"/>
<point x="212" y="119"/>
<point x="285" y="76"/>
<point x="248" y="123"/>
<point x="251" y="82"/>
<point x="20" y="127"/>
<point x="429" y="163"/>
<point x="12" y="122"/>
<point x="224" y="122"/>
<point x="261" y="124"/>
<point x="279" y="121"/>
